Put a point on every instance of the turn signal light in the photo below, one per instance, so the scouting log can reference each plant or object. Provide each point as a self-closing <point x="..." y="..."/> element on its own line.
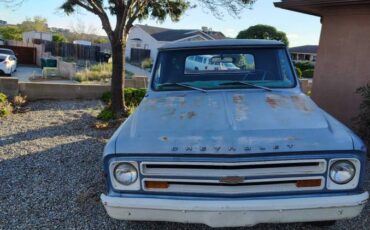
<point x="308" y="183"/>
<point x="156" y="184"/>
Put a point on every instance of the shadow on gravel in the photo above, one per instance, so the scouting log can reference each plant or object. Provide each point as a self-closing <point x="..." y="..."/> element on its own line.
<point x="61" y="105"/>
<point x="60" y="187"/>
<point x="62" y="127"/>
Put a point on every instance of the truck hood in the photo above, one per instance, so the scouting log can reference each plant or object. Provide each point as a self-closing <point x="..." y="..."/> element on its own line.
<point x="230" y="122"/>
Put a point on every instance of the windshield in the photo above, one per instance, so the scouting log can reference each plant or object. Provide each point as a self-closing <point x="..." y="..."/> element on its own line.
<point x="4" y="51"/>
<point x="219" y="69"/>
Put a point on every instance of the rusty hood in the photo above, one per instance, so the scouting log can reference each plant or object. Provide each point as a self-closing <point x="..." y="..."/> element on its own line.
<point x="230" y="122"/>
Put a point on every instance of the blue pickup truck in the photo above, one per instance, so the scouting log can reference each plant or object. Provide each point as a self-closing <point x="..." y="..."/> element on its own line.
<point x="225" y="137"/>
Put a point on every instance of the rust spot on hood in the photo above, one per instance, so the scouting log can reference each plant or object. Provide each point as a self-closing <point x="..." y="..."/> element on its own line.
<point x="241" y="108"/>
<point x="274" y="102"/>
<point x="238" y="99"/>
<point x="164" y="138"/>
<point x="191" y="115"/>
<point x="301" y="104"/>
<point x="188" y="115"/>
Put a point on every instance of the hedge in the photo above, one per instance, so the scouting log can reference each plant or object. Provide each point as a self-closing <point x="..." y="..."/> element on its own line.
<point x="298" y="71"/>
<point x="308" y="73"/>
<point x="304" y="65"/>
<point x="133" y="96"/>
<point x="5" y="106"/>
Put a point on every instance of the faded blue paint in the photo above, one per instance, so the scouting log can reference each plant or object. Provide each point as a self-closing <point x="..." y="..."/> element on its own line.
<point x="237" y="120"/>
<point x="232" y="126"/>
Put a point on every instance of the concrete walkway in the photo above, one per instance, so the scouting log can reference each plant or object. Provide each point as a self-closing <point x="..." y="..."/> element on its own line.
<point x="24" y="73"/>
<point x="136" y="70"/>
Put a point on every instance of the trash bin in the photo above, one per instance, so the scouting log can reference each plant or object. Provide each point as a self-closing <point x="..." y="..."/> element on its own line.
<point x="103" y="57"/>
<point x="48" y="62"/>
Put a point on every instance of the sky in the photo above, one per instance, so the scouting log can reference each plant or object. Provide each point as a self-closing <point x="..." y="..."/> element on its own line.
<point x="301" y="29"/>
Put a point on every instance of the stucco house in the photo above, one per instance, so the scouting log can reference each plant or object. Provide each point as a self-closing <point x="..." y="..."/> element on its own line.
<point x="304" y="53"/>
<point x="144" y="40"/>
<point x="29" y="36"/>
<point x="343" y="53"/>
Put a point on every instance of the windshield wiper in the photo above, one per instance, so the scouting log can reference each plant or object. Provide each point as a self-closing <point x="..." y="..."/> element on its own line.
<point x="183" y="85"/>
<point x="248" y="84"/>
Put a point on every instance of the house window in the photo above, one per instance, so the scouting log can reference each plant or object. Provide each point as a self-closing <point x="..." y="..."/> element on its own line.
<point x="137" y="43"/>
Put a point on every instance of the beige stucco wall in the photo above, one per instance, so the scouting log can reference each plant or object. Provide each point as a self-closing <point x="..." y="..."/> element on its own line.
<point x="55" y="91"/>
<point x="9" y="86"/>
<point x="343" y="61"/>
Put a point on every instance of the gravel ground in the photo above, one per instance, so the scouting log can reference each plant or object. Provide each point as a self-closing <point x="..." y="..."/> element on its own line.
<point x="51" y="177"/>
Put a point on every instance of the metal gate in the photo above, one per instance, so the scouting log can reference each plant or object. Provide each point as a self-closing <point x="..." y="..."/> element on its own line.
<point x="25" y="55"/>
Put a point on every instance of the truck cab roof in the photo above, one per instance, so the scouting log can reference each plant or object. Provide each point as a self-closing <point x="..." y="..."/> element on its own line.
<point x="222" y="44"/>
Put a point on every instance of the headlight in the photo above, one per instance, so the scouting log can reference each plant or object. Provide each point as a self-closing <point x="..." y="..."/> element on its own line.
<point x="125" y="173"/>
<point x="342" y="172"/>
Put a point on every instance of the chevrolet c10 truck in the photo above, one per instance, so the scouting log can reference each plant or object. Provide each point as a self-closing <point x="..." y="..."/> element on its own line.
<point x="225" y="137"/>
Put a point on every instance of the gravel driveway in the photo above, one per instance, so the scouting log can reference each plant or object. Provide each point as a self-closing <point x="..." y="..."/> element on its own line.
<point x="51" y="177"/>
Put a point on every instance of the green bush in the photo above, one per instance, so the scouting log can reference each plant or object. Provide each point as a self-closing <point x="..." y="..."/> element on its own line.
<point x="3" y="98"/>
<point x="5" y="107"/>
<point x="299" y="72"/>
<point x="304" y="65"/>
<point x="107" y="114"/>
<point x="308" y="73"/>
<point x="362" y="121"/>
<point x="106" y="97"/>
<point x="133" y="96"/>
<point x="147" y="63"/>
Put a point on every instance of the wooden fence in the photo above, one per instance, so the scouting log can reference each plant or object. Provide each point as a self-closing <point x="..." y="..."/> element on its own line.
<point x="73" y="51"/>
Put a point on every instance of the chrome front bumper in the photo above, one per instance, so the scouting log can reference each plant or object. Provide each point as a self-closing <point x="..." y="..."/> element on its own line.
<point x="235" y="212"/>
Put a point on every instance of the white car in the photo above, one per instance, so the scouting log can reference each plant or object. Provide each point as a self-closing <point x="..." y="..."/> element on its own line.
<point x="205" y="63"/>
<point x="8" y="64"/>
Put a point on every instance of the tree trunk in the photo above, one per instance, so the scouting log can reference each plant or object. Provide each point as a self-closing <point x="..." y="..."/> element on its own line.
<point x="118" y="75"/>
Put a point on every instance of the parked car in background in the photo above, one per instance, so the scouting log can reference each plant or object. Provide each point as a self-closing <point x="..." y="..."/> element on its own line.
<point x="207" y="63"/>
<point x="11" y="53"/>
<point x="8" y="64"/>
<point x="232" y="147"/>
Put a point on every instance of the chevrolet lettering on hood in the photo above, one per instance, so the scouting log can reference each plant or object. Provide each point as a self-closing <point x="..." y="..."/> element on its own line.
<point x="226" y="137"/>
<point x="227" y="149"/>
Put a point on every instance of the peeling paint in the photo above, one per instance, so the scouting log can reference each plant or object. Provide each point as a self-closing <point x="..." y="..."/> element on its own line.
<point x="164" y="138"/>
<point x="300" y="103"/>
<point x="241" y="112"/>
<point x="188" y="115"/>
<point x="274" y="101"/>
<point x="238" y="99"/>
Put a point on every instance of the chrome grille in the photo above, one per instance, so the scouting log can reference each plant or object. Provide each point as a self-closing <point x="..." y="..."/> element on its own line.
<point x="253" y="177"/>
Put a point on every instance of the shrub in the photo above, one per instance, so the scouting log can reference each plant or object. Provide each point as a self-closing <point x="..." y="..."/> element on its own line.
<point x="147" y="63"/>
<point x="133" y="97"/>
<point x="5" y="107"/>
<point x="3" y="98"/>
<point x="107" y="114"/>
<point x="19" y="101"/>
<point x="98" y="72"/>
<point x="299" y="72"/>
<point x="304" y="65"/>
<point x="308" y="73"/>
<point x="106" y="97"/>
<point x="362" y="121"/>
